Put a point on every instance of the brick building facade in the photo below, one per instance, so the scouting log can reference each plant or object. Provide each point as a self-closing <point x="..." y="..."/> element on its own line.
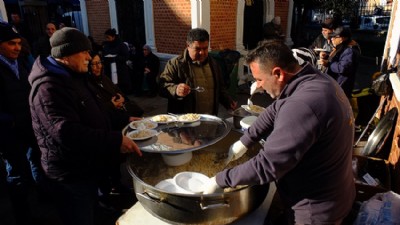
<point x="98" y="18"/>
<point x="171" y="20"/>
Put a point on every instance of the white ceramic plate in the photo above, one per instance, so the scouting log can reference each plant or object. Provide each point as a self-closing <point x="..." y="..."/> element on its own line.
<point x="189" y="118"/>
<point x="254" y="109"/>
<point x="163" y="118"/>
<point x="139" y="135"/>
<point x="192" y="182"/>
<point x="143" y="124"/>
<point x="169" y="185"/>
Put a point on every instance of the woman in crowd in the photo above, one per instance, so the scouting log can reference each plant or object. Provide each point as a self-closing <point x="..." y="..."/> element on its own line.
<point x="121" y="109"/>
<point x="151" y="67"/>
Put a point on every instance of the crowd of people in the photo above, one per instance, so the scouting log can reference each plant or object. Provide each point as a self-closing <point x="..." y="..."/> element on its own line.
<point x="61" y="116"/>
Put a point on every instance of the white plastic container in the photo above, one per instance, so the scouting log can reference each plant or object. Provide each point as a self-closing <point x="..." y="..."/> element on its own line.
<point x="247" y="121"/>
<point x="114" y="75"/>
<point x="177" y="159"/>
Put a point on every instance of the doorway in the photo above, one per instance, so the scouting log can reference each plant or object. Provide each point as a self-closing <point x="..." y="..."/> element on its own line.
<point x="131" y="22"/>
<point x="253" y="23"/>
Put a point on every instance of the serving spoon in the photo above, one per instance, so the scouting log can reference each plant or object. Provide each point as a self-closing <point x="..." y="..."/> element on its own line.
<point x="198" y="89"/>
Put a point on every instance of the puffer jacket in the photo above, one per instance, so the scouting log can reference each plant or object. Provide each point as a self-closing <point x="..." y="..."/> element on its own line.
<point x="72" y="130"/>
<point x="178" y="71"/>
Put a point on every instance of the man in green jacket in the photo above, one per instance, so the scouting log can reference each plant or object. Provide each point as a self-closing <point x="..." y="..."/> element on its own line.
<point x="191" y="69"/>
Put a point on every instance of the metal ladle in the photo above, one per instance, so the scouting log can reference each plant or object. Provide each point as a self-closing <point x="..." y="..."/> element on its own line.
<point x="198" y="89"/>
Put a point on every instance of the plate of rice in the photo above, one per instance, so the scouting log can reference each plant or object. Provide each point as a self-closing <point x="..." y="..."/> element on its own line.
<point x="189" y="118"/>
<point x="139" y="135"/>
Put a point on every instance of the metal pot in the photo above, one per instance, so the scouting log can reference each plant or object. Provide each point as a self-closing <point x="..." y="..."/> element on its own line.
<point x="377" y="142"/>
<point x="177" y="208"/>
<point x="238" y="115"/>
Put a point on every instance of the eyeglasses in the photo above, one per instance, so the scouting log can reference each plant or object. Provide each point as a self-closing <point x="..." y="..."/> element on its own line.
<point x="95" y="63"/>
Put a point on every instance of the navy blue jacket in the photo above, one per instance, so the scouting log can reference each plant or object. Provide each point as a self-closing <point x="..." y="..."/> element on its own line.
<point x="343" y="63"/>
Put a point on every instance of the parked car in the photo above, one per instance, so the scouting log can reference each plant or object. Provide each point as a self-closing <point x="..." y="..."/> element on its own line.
<point x="374" y="22"/>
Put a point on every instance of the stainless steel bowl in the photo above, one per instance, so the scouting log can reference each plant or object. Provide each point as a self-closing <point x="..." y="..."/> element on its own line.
<point x="177" y="208"/>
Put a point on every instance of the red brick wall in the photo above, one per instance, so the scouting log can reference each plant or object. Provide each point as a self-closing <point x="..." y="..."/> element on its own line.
<point x="172" y="21"/>
<point x="281" y="9"/>
<point x="223" y="24"/>
<point x="98" y="18"/>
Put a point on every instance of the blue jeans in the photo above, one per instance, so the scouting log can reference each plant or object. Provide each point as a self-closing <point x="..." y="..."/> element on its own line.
<point x="23" y="166"/>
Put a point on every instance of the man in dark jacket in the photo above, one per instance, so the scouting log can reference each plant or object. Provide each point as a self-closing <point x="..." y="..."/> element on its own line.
<point x="18" y="146"/>
<point x="309" y="144"/>
<point x="73" y="132"/>
<point x="42" y="45"/>
<point x="322" y="45"/>
<point x="194" y="68"/>
<point x="115" y="55"/>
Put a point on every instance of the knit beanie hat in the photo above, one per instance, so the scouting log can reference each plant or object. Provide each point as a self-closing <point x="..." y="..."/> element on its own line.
<point x="68" y="41"/>
<point x="8" y="32"/>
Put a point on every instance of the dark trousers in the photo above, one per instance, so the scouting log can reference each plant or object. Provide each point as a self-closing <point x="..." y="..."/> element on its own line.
<point x="151" y="80"/>
<point x="75" y="202"/>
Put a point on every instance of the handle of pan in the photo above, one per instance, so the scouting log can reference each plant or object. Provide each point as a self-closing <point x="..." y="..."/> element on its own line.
<point x="150" y="196"/>
<point x="214" y="203"/>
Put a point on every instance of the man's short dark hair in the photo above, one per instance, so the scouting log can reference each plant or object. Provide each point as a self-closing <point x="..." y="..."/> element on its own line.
<point x="197" y="34"/>
<point x="271" y="53"/>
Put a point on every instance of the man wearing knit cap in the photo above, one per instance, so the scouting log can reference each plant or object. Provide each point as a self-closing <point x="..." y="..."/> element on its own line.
<point x="73" y="132"/>
<point x="18" y="147"/>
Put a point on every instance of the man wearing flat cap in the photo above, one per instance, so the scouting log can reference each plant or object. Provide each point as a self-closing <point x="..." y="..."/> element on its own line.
<point x="18" y="148"/>
<point x="343" y="61"/>
<point x="73" y="132"/>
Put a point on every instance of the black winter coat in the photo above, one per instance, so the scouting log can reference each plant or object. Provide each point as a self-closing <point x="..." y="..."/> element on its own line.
<point x="73" y="132"/>
<point x="15" y="118"/>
